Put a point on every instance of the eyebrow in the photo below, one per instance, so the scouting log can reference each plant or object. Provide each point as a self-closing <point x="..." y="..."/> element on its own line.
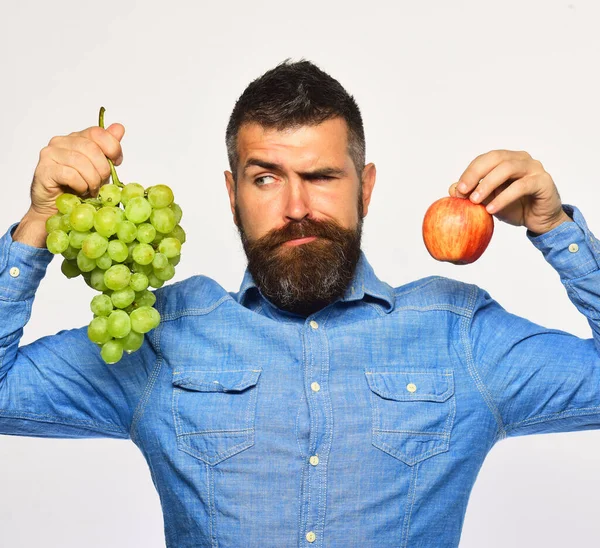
<point x="320" y="172"/>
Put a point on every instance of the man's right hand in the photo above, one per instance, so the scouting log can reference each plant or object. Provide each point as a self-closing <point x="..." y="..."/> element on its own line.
<point x="75" y="163"/>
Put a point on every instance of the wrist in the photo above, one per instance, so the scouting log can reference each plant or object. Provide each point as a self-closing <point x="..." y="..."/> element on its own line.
<point x="562" y="218"/>
<point x="31" y="230"/>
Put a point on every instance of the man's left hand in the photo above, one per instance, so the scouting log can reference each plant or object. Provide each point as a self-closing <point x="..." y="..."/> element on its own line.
<point x="515" y="188"/>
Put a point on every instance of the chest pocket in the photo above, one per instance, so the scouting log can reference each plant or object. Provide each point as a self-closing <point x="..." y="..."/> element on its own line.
<point x="214" y="412"/>
<point x="412" y="412"/>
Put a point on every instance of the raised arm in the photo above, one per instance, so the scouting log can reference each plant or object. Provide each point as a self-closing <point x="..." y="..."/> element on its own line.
<point x="59" y="386"/>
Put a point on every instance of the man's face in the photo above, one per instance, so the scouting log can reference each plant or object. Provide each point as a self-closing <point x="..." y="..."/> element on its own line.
<point x="297" y="204"/>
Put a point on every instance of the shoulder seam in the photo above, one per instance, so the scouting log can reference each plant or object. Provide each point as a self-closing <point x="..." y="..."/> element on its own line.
<point x="472" y="369"/>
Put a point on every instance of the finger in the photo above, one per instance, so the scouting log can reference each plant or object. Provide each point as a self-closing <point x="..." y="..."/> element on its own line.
<point x="484" y="164"/>
<point x="454" y="192"/>
<point x="86" y="147"/>
<point x="81" y="164"/>
<point x="66" y="176"/>
<point x="106" y="140"/>
<point x="509" y="195"/>
<point x="508" y="170"/>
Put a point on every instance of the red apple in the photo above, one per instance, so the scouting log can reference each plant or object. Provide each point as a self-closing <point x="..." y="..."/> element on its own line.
<point x="456" y="230"/>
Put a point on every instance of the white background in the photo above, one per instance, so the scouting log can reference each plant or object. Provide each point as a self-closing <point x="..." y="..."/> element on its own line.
<point x="438" y="83"/>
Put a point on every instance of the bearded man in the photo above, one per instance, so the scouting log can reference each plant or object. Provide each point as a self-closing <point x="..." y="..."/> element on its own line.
<point x="317" y="405"/>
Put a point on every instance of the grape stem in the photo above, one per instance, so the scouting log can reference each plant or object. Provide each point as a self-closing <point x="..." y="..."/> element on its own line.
<point x="113" y="171"/>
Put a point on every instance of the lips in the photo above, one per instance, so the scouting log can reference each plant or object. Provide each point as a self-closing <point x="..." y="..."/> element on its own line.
<point x="300" y="241"/>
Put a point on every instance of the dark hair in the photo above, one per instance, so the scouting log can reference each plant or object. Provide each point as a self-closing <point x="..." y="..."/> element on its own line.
<point x="292" y="95"/>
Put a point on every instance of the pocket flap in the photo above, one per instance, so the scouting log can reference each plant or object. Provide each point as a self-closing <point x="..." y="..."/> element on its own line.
<point x="418" y="385"/>
<point x="216" y="381"/>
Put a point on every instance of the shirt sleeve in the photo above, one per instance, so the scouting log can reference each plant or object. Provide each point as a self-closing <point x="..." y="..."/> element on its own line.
<point x="58" y="386"/>
<point x="534" y="379"/>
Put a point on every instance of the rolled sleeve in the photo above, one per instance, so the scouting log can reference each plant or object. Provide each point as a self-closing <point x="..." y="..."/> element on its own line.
<point x="22" y="268"/>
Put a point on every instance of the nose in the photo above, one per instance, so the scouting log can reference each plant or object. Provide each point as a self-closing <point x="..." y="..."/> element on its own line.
<point x="297" y="201"/>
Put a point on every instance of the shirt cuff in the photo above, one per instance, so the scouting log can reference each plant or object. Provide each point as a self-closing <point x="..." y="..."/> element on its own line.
<point x="570" y="248"/>
<point x="22" y="268"/>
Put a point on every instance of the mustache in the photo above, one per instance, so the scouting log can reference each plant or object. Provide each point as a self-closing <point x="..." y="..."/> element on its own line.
<point x="305" y="228"/>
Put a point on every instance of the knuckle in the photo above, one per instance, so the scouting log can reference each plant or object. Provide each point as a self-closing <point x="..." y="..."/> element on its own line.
<point x="54" y="141"/>
<point x="96" y="133"/>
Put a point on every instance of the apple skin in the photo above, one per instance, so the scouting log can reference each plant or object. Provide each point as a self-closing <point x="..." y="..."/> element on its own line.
<point x="456" y="230"/>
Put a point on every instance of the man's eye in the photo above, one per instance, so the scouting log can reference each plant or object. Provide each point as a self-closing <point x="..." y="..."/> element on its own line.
<point x="260" y="181"/>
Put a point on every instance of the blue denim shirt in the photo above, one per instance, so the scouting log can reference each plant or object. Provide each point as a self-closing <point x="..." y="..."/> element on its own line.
<point x="363" y="425"/>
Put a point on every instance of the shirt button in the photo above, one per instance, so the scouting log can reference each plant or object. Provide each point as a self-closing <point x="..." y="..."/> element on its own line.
<point x="315" y="386"/>
<point x="310" y="536"/>
<point x="314" y="324"/>
<point x="573" y="248"/>
<point x="411" y="387"/>
<point x="314" y="460"/>
<point x="14" y="271"/>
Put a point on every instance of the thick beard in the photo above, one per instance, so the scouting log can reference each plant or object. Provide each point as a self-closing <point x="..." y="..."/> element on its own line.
<point x="303" y="278"/>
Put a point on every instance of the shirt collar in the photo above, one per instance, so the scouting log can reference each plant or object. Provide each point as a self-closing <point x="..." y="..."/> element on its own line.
<point x="364" y="283"/>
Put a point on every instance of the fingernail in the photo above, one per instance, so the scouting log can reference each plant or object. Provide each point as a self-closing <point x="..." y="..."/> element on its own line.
<point x="462" y="187"/>
<point x="475" y="196"/>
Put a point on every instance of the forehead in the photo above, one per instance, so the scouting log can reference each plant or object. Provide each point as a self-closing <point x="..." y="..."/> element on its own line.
<point x="326" y="142"/>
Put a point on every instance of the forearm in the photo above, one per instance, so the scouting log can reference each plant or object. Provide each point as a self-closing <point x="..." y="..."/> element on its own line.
<point x="574" y="253"/>
<point x="31" y="230"/>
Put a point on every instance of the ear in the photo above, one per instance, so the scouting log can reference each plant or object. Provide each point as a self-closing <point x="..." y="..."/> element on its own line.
<point x="368" y="179"/>
<point x="230" y="184"/>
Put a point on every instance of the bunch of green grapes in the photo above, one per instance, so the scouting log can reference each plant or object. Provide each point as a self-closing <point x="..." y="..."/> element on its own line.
<point x="122" y="242"/>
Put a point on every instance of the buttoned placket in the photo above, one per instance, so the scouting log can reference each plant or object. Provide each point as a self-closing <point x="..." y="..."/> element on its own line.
<point x="314" y="487"/>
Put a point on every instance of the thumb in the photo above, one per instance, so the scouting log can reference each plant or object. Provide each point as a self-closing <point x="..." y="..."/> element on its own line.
<point x="116" y="130"/>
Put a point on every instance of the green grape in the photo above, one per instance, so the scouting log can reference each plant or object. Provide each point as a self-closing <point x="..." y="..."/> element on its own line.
<point x="94" y="245"/>
<point x="84" y="263"/>
<point x="143" y="268"/>
<point x="131" y="190"/>
<point x="101" y="305"/>
<point x="117" y="251"/>
<point x="145" y="298"/>
<point x="158" y="238"/>
<point x="143" y="254"/>
<point x="82" y="217"/>
<point x="171" y="247"/>
<point x="177" y="210"/>
<point x="106" y="220"/>
<point x="70" y="268"/>
<point x="104" y="261"/>
<point x="166" y="273"/>
<point x="154" y="281"/>
<point x="138" y="209"/>
<point x="110" y="195"/>
<point x="160" y="261"/>
<point x="53" y="223"/>
<point x="132" y="342"/>
<point x="144" y="318"/>
<point x="119" y="324"/>
<point x="163" y="220"/>
<point x="76" y="238"/>
<point x="130" y="248"/>
<point x="145" y="233"/>
<point x="178" y="233"/>
<point x="112" y="351"/>
<point x="117" y="277"/>
<point x="138" y="282"/>
<point x="70" y="253"/>
<point x="126" y="231"/>
<point x="123" y="297"/>
<point x="98" y="330"/>
<point x="160" y="196"/>
<point x="57" y="241"/>
<point x="65" y="223"/>
<point x="66" y="202"/>
<point x="175" y="260"/>
<point x="97" y="280"/>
